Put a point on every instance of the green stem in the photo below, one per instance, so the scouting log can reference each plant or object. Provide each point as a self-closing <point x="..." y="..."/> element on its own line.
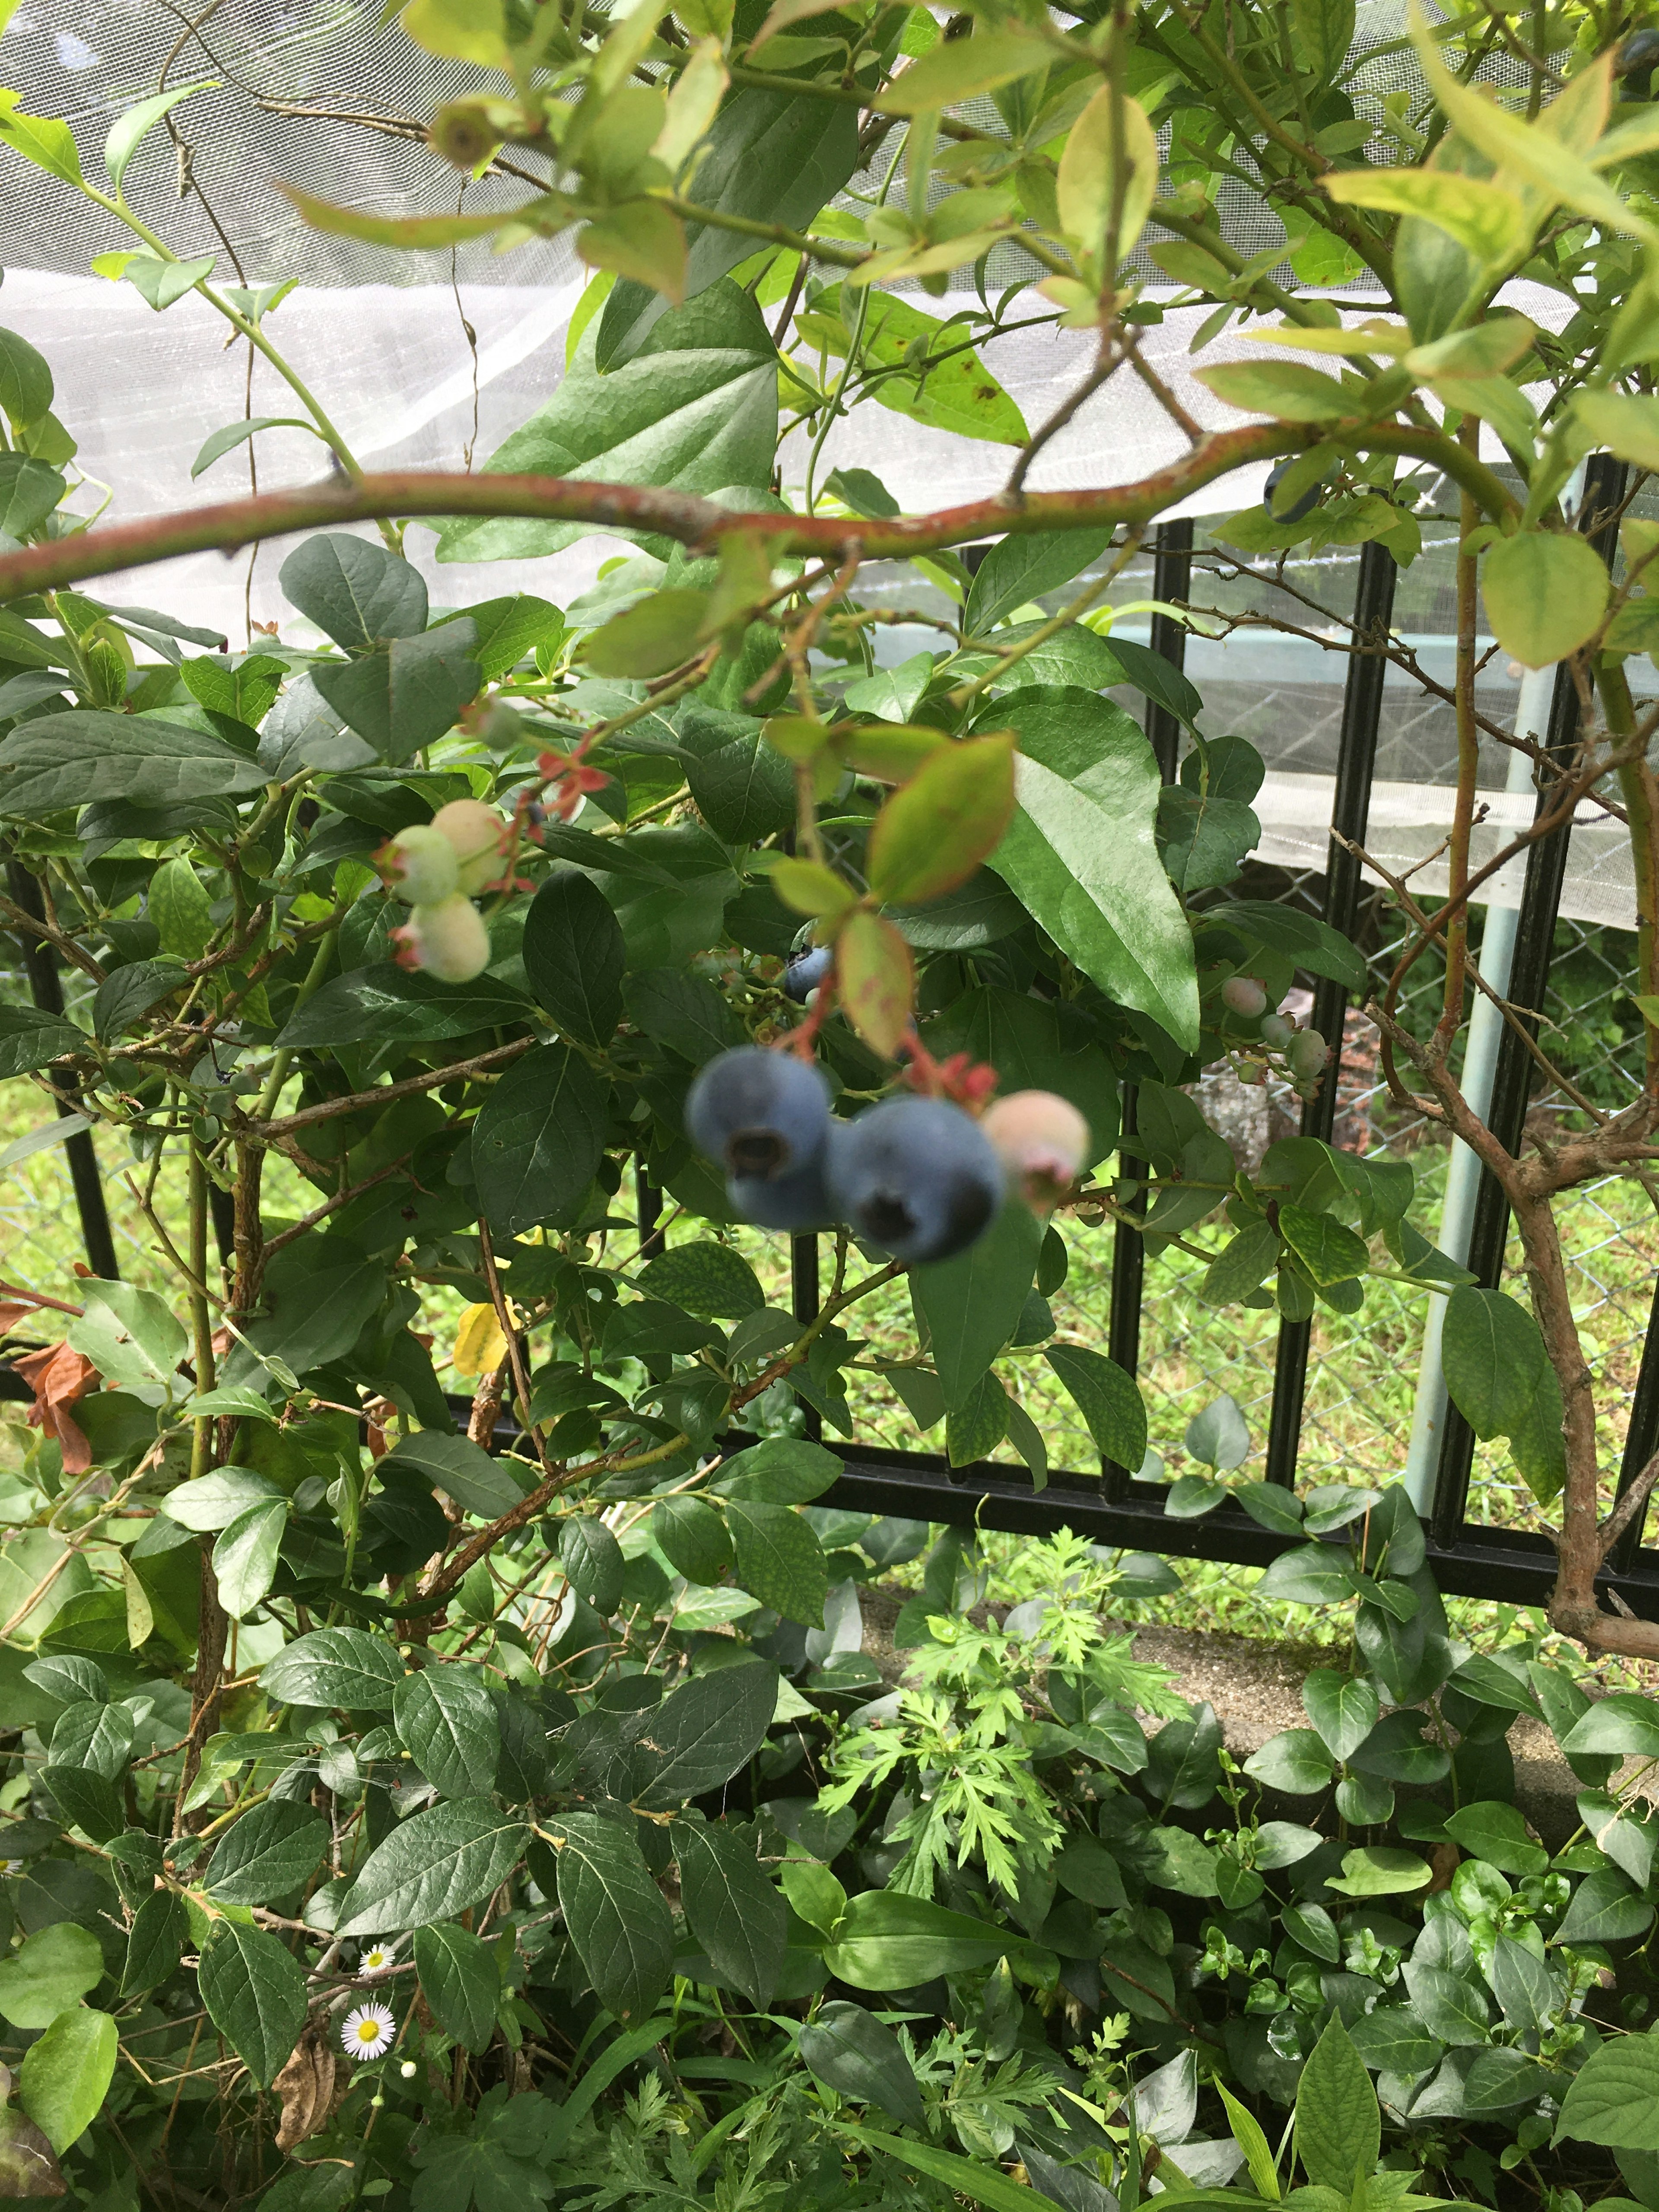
<point x="201" y="1321"/>
<point x="279" y="1065"/>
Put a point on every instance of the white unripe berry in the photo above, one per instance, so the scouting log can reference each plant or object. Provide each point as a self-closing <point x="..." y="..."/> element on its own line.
<point x="419" y="864"/>
<point x="1244" y="996"/>
<point x="448" y="940"/>
<point x="477" y="834"/>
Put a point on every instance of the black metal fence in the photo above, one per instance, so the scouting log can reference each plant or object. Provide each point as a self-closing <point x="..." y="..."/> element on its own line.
<point x="1110" y="1506"/>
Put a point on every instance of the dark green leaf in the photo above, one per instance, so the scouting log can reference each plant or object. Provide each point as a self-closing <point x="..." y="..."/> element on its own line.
<point x="1614" y="2099"/>
<point x="28" y="1039"/>
<point x="1452" y="2008"/>
<point x="94" y="1736"/>
<point x="1394" y="2040"/>
<point x="1500" y="1379"/>
<point x="1107" y="1399"/>
<point x="1496" y="1834"/>
<point x="703" y="1732"/>
<point x="85" y="754"/>
<point x="460" y="1468"/>
<point x="446" y="1719"/>
<point x="460" y="1981"/>
<point x="743" y="789"/>
<point x="1339" y="2127"/>
<point x="161" y="1929"/>
<point x="692" y="1537"/>
<point x="1302" y="937"/>
<point x="342" y="1668"/>
<point x="781" y="1471"/>
<point x="266" y="1853"/>
<point x="860" y="2057"/>
<point x="406" y="694"/>
<point x="707" y="1279"/>
<point x="355" y="590"/>
<point x="683" y="1011"/>
<point x="1295" y="1761"/>
<point x="592" y="1559"/>
<point x="734" y="1908"/>
<point x="574" y="955"/>
<point x="431" y="1866"/>
<point x="970" y="1306"/>
<point x="537" y="1142"/>
<point x="889" y="1941"/>
<point x="615" y="1914"/>
<point x="1342" y="1707"/>
<point x="1017" y="570"/>
<point x="1606" y="1908"/>
<point x="255" y="1995"/>
<point x="386" y="1005"/>
<point x="779" y="1559"/>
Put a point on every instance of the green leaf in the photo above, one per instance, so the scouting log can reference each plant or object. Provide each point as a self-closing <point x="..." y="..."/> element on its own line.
<point x="1606" y="1908"/>
<point x="1623" y="1722"/>
<point x="1109" y="1400"/>
<point x="255" y="1993"/>
<point x="1311" y="943"/>
<point x="179" y="905"/>
<point x="742" y="789"/>
<point x="1451" y="2009"/>
<point x="778" y="1560"/>
<point x="123" y="998"/>
<point x="685" y="1012"/>
<point x="615" y="1914"/>
<point x="163" y="283"/>
<point x="592" y="1559"/>
<point x="225" y="441"/>
<point x="155" y="1944"/>
<point x="970" y="1306"/>
<point x="335" y="1668"/>
<point x="1295" y="1760"/>
<point x="959" y="68"/>
<point x="244" y="1558"/>
<point x="537" y="1144"/>
<point x="1017" y="570"/>
<point x="889" y="1941"/>
<point x="1339" y="2127"/>
<point x="1499" y="1377"/>
<point x="85" y="754"/>
<point x="976" y="2178"/>
<point x="29" y="492"/>
<point x="26" y="386"/>
<point x="358" y="591"/>
<point x="29" y="1038"/>
<point x="973" y="1428"/>
<point x="406" y="693"/>
<point x="387" y="1005"/>
<point x="460" y="1981"/>
<point x="445" y="1717"/>
<point x="56" y="1968"/>
<point x="129" y="129"/>
<point x="1259" y="2161"/>
<point x="695" y="409"/>
<point x="1081" y="853"/>
<point x="1380" y="1871"/>
<point x="1342" y="1707"/>
<point x="66" y="2073"/>
<point x="321" y="1292"/>
<point x="1496" y="1834"/>
<point x="1330" y="1253"/>
<point x="50" y="145"/>
<point x="650" y="638"/>
<point x="770" y="157"/>
<point x="860" y="2056"/>
<point x="957" y="394"/>
<point x="266" y="1853"/>
<point x="734" y="1908"/>
<point x="780" y="1471"/>
<point x="1324" y="29"/>
<point x="575" y="957"/>
<point x="1286" y="389"/>
<point x="460" y="1469"/>
<point x="1546" y="594"/>
<point x="692" y="1538"/>
<point x="1392" y="2040"/>
<point x="95" y="1736"/>
<point x="130" y="1334"/>
<point x="431" y="1866"/>
<point x="1614" y="2099"/>
<point x="705" y="1731"/>
<point x="709" y="1279"/>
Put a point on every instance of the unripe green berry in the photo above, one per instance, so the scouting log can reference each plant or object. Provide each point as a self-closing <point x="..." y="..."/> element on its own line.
<point x="419" y="864"/>
<point x="1306" y="1055"/>
<point x="448" y="940"/>
<point x="1276" y="1032"/>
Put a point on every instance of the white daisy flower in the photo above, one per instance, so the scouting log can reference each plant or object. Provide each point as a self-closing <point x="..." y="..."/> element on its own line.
<point x="376" y="1959"/>
<point x="368" y="2031"/>
<point x="12" y="1866"/>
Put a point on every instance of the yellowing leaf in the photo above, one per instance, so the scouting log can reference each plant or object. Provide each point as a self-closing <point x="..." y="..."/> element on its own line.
<point x="1494" y="225"/>
<point x="1546" y="594"/>
<point x="643" y="239"/>
<point x="480" y="1347"/>
<point x="1624" y="423"/>
<point x="957" y="68"/>
<point x="414" y="231"/>
<point x="692" y="105"/>
<point x="1283" y="388"/>
<point x="876" y="979"/>
<point x="950" y="816"/>
<point x="1085" y="175"/>
<point x="809" y="887"/>
<point x="460" y="30"/>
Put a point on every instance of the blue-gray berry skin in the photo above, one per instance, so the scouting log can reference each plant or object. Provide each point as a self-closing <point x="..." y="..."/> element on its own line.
<point x="762" y="1115"/>
<point x="806" y="971"/>
<point x="1303" y="507"/>
<point x="917" y="1177"/>
<point x="795" y="1201"/>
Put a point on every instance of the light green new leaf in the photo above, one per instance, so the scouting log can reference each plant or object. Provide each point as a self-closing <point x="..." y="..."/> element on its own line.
<point x="56" y="1968"/>
<point x="1089" y="171"/>
<point x="1546" y="593"/>
<point x="959" y="69"/>
<point x="129" y="130"/>
<point x="50" y="145"/>
<point x="65" y="2074"/>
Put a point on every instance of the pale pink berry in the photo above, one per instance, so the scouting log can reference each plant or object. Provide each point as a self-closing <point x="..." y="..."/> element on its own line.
<point x="1307" y="1055"/>
<point x="1042" y="1140"/>
<point x="477" y="834"/>
<point x="419" y="864"/>
<point x="1244" y="996"/>
<point x="448" y="940"/>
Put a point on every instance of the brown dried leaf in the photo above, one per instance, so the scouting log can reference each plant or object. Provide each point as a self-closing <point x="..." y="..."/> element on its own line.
<point x="306" y="2086"/>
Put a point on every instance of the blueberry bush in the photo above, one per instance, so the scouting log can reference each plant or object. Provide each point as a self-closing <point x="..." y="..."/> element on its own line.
<point x="433" y="1803"/>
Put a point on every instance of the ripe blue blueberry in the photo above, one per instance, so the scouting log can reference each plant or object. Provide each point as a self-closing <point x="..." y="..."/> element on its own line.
<point x="795" y="1201"/>
<point x="917" y="1177"/>
<point x="1304" y="506"/>
<point x="763" y="1115"/>
<point x="806" y="971"/>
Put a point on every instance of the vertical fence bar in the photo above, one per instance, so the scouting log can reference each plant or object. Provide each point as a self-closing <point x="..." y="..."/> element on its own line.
<point x="1356" y="762"/>
<point x="805" y="1296"/>
<point x="1172" y="577"/>
<point x="40" y="964"/>
<point x="648" y="1211"/>
<point x="1641" y="1442"/>
<point x="1540" y="900"/>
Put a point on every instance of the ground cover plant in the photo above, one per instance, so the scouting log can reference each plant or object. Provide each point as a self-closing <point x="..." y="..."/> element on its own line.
<point x="444" y="1806"/>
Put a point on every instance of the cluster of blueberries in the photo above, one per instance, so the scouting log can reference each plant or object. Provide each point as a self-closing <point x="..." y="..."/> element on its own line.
<point x="916" y="1176"/>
